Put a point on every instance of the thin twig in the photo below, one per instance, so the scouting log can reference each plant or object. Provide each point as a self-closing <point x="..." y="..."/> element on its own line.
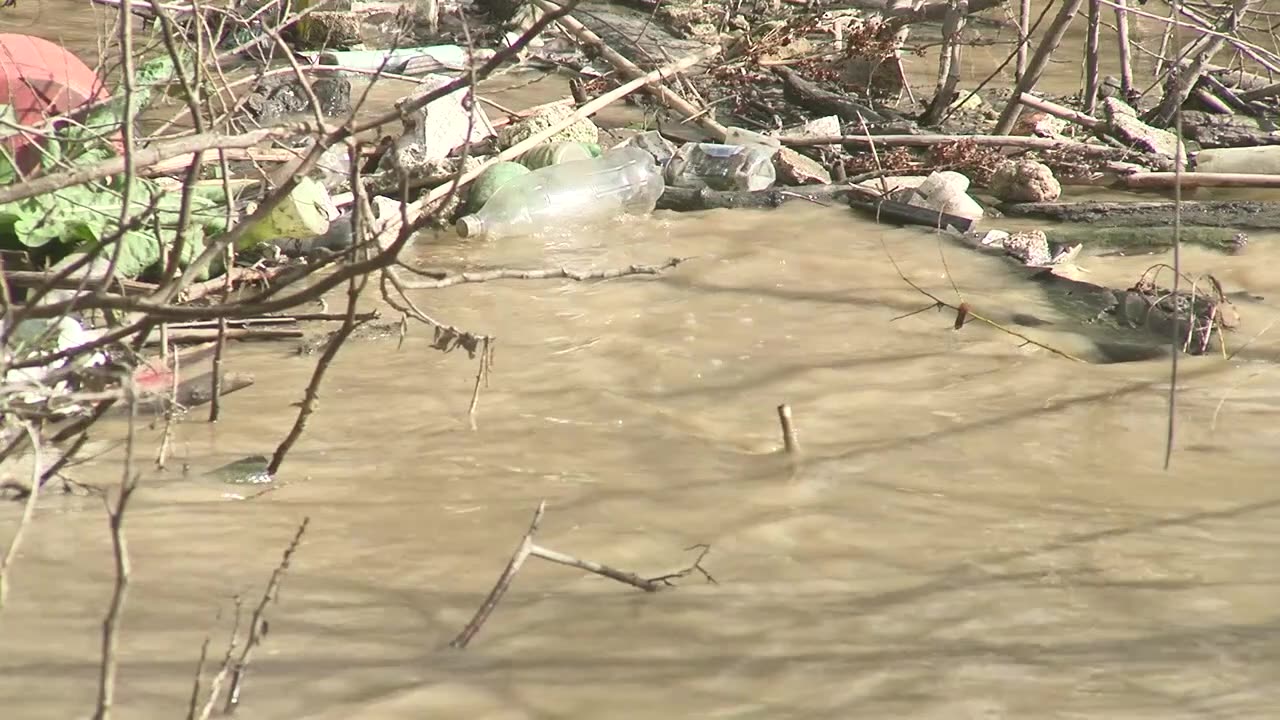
<point x="28" y="510"/>
<point x="504" y="582"/>
<point x="258" y="626"/>
<point x="528" y="548"/>
<point x="312" y="397"/>
<point x="120" y="551"/>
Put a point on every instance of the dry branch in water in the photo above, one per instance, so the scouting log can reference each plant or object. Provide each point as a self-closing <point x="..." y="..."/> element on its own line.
<point x="258" y="626"/>
<point x="528" y="548"/>
<point x="120" y="552"/>
<point x="28" y="510"/>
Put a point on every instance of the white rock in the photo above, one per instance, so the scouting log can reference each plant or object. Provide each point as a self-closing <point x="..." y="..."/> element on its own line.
<point x="945" y="192"/>
<point x="437" y="129"/>
<point x="796" y="169"/>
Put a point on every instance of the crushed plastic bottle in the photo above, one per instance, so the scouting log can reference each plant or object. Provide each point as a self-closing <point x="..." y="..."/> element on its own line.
<point x="722" y="167"/>
<point x="624" y="181"/>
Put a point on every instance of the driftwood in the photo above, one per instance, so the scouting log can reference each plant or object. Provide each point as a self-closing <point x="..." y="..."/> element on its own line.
<point x="1251" y="215"/>
<point x="807" y="94"/>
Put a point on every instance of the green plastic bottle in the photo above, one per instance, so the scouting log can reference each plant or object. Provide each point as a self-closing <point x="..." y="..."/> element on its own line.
<point x="554" y="153"/>
<point x="491" y="180"/>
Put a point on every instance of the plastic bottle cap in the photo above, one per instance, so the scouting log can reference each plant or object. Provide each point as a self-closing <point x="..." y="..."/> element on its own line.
<point x="469" y="226"/>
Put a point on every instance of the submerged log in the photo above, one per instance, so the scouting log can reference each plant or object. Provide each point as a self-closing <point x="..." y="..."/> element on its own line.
<point x="1139" y="321"/>
<point x="1247" y="215"/>
<point x="1147" y="239"/>
<point x="687" y="199"/>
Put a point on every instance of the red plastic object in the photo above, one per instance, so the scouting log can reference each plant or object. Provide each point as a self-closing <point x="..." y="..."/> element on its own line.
<point x="40" y="79"/>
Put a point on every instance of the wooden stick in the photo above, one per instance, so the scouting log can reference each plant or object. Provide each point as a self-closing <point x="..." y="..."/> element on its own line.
<point x="1225" y="94"/>
<point x="1059" y="111"/>
<point x="200" y="335"/>
<point x="948" y="61"/>
<point x="622" y="576"/>
<point x="630" y="70"/>
<point x="1165" y="180"/>
<point x="1091" y="78"/>
<point x="258" y="621"/>
<point x="146" y="157"/>
<point x="1024" y="39"/>
<point x="1211" y="101"/>
<point x="1053" y="37"/>
<point x="1122" y="37"/>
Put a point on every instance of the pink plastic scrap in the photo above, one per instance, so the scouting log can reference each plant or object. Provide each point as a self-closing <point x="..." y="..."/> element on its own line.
<point x="38" y="80"/>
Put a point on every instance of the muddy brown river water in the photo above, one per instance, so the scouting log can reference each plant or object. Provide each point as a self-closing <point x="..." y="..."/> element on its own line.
<point x="975" y="530"/>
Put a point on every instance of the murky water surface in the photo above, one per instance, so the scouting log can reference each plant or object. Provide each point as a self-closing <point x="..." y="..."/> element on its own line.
<point x="977" y="529"/>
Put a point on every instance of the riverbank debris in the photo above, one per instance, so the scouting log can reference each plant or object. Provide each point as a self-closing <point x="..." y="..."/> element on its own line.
<point x="271" y="177"/>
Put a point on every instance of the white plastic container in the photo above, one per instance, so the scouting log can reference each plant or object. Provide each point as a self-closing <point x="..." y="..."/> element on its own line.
<point x="722" y="167"/>
<point x="624" y="181"/>
<point x="304" y="213"/>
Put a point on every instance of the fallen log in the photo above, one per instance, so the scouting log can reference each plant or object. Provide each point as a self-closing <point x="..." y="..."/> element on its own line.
<point x="823" y="102"/>
<point x="1242" y="214"/>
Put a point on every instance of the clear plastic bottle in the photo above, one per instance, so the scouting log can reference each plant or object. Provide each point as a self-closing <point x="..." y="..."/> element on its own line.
<point x="722" y="167"/>
<point x="623" y="181"/>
